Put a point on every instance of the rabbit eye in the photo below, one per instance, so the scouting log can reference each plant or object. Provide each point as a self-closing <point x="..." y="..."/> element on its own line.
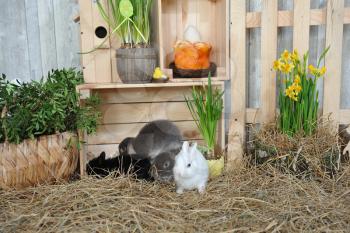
<point x="166" y="164"/>
<point x="189" y="165"/>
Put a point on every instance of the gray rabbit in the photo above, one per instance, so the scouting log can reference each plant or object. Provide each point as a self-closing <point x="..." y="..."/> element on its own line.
<point x="159" y="141"/>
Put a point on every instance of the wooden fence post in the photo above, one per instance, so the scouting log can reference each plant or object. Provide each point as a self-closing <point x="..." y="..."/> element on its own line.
<point x="333" y="61"/>
<point x="236" y="135"/>
<point x="269" y="17"/>
<point x="301" y="23"/>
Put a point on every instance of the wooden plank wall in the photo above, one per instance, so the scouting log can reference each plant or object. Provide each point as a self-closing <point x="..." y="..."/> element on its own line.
<point x="37" y="36"/>
<point x="126" y="111"/>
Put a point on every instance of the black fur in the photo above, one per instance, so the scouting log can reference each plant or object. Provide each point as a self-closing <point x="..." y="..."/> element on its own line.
<point x="123" y="164"/>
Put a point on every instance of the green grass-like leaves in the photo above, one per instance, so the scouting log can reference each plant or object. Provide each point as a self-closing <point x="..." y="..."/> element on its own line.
<point x="206" y="107"/>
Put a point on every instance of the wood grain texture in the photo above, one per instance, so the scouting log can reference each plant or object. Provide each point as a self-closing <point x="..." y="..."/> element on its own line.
<point x="238" y="83"/>
<point x="286" y="19"/>
<point x="301" y="25"/>
<point x="98" y="21"/>
<point x="67" y="33"/>
<point x="334" y="38"/>
<point x="268" y="55"/>
<point x="115" y="133"/>
<point x="33" y="39"/>
<point x="14" y="58"/>
<point x="143" y="95"/>
<point x="87" y="43"/>
<point x="144" y="112"/>
<point x="47" y="35"/>
<point x="345" y="85"/>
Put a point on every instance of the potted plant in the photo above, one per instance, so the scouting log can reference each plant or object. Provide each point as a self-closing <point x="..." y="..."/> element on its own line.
<point x="206" y="108"/>
<point x="38" y="128"/>
<point x="130" y="19"/>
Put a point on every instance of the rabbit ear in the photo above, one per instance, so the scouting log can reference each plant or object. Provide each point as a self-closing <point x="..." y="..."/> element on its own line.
<point x="193" y="147"/>
<point x="185" y="146"/>
<point x="102" y="155"/>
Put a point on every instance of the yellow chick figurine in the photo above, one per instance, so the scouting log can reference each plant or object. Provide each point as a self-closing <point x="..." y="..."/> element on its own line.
<point x="216" y="167"/>
<point x="158" y="74"/>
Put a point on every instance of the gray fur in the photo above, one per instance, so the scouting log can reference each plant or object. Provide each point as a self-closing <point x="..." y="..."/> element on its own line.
<point x="155" y="138"/>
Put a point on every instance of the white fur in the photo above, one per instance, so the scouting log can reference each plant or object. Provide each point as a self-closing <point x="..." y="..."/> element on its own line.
<point x="193" y="177"/>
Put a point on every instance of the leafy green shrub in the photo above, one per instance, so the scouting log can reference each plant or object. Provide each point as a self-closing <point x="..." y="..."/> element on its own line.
<point x="45" y="107"/>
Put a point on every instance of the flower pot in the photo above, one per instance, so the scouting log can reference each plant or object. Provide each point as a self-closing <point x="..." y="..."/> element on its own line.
<point x="136" y="65"/>
<point x="40" y="161"/>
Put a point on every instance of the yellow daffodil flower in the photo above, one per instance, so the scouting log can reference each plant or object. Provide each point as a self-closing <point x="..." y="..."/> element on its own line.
<point x="313" y="70"/>
<point x="277" y="64"/>
<point x="288" y="92"/>
<point x="323" y="71"/>
<point x="295" y="55"/>
<point x="297" y="79"/>
<point x="297" y="88"/>
<point x="286" y="55"/>
<point x="287" y="68"/>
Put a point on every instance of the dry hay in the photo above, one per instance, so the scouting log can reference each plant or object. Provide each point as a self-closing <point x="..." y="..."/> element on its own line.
<point x="316" y="155"/>
<point x="250" y="200"/>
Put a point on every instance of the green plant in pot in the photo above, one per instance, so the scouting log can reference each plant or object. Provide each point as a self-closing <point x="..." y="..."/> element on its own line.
<point x="206" y="108"/>
<point x="38" y="128"/>
<point x="45" y="107"/>
<point x="130" y="20"/>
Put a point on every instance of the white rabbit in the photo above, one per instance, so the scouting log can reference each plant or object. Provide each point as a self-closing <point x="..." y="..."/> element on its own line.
<point x="191" y="169"/>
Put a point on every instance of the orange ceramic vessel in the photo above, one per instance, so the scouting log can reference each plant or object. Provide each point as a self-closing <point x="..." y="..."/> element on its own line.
<point x="194" y="56"/>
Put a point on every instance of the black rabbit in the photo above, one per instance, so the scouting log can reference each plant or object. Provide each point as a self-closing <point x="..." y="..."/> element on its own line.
<point x="123" y="164"/>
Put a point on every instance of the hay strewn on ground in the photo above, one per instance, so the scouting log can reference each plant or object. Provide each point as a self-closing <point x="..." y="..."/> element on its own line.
<point x="255" y="199"/>
<point x="319" y="154"/>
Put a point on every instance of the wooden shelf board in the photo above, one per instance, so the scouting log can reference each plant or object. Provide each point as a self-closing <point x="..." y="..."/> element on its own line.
<point x="94" y="86"/>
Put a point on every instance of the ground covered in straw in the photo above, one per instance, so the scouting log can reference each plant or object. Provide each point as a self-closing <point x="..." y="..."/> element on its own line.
<point x="250" y="200"/>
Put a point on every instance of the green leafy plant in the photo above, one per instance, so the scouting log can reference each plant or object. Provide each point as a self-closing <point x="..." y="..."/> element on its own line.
<point x="298" y="96"/>
<point x="206" y="108"/>
<point x="130" y="19"/>
<point x="45" y="107"/>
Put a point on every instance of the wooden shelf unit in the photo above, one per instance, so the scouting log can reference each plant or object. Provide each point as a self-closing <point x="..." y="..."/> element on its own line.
<point x="126" y="108"/>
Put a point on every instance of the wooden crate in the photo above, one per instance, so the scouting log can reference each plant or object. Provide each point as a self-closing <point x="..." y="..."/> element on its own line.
<point x="210" y="17"/>
<point x="333" y="16"/>
<point x="170" y="19"/>
<point x="127" y="108"/>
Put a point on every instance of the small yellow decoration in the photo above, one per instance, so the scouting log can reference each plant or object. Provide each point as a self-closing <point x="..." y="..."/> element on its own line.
<point x="158" y="74"/>
<point x="216" y="167"/>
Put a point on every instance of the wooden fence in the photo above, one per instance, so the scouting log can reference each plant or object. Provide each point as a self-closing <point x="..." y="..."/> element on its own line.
<point x="269" y="19"/>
